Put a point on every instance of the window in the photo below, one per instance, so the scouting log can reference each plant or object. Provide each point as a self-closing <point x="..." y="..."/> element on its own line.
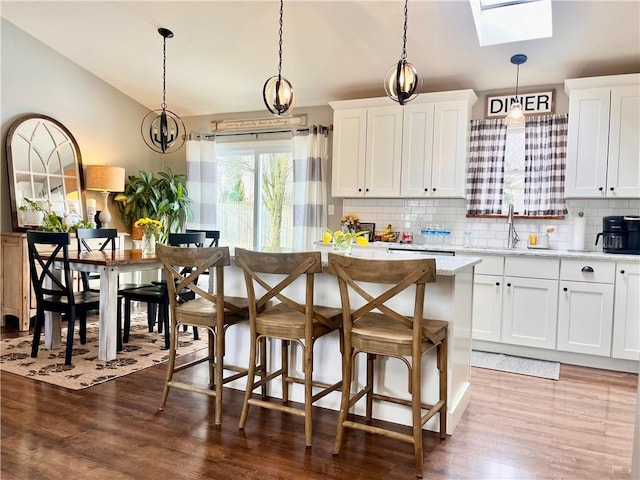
<point x="524" y="166"/>
<point x="254" y="192"/>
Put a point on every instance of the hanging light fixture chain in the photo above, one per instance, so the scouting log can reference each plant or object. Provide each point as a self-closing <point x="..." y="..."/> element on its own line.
<point x="404" y="36"/>
<point x="280" y="40"/>
<point x="164" y="73"/>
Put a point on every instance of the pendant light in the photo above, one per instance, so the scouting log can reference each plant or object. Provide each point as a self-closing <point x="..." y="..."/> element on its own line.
<point x="163" y="130"/>
<point x="277" y="93"/>
<point x="403" y="82"/>
<point x="515" y="117"/>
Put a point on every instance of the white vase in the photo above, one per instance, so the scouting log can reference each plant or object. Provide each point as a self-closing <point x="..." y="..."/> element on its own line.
<point x="148" y="244"/>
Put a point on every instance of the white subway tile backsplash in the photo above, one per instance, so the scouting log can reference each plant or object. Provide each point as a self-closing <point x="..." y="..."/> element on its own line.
<point x="411" y="215"/>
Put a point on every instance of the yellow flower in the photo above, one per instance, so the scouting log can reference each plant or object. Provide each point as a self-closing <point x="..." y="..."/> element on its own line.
<point x="340" y="237"/>
<point x="149" y="226"/>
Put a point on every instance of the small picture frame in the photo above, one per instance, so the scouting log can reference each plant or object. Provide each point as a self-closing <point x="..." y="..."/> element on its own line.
<point x="368" y="227"/>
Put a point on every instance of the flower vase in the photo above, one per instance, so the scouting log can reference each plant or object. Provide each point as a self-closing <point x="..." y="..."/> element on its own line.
<point x="343" y="245"/>
<point x="148" y="244"/>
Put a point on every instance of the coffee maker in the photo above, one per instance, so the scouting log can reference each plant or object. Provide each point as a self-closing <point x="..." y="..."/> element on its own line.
<point x="620" y="234"/>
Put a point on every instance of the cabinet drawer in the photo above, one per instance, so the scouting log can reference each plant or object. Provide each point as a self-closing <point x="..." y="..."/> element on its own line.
<point x="587" y="271"/>
<point x="490" y="265"/>
<point x="532" y="267"/>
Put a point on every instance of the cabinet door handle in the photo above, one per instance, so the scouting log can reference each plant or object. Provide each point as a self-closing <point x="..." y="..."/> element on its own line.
<point x="622" y="272"/>
<point x="587" y="269"/>
<point x="497" y="284"/>
<point x="508" y="284"/>
<point x="611" y="188"/>
<point x="366" y="189"/>
<point x="359" y="189"/>
<point x="565" y="289"/>
<point x="600" y="189"/>
<point x="433" y="189"/>
<point x="426" y="189"/>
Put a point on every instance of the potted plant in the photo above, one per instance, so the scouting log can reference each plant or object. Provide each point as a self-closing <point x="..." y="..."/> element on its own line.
<point x="138" y="200"/>
<point x="164" y="198"/>
<point x="174" y="207"/>
<point x="32" y="212"/>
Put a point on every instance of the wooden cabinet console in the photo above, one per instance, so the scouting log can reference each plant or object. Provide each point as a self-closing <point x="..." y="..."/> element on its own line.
<point x="16" y="281"/>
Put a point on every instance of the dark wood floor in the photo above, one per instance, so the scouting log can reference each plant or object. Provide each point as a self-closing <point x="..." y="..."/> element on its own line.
<point x="516" y="427"/>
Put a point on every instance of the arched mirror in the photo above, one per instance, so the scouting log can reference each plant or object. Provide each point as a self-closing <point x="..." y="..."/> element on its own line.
<point x="45" y="168"/>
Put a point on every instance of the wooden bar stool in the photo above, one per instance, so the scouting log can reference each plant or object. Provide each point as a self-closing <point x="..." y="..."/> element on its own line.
<point x="275" y="315"/>
<point x="212" y="311"/>
<point x="375" y="328"/>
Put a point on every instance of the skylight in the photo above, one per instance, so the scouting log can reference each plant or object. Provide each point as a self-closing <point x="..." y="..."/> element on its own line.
<point x="505" y="21"/>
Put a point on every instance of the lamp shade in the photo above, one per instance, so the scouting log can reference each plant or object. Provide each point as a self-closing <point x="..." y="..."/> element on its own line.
<point x="104" y="178"/>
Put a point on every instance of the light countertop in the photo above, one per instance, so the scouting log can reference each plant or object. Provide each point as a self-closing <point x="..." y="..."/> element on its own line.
<point x="470" y="251"/>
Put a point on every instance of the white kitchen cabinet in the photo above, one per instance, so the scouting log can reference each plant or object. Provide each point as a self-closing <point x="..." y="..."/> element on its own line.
<point x="530" y="300"/>
<point x="367" y="148"/>
<point x="387" y="150"/>
<point x="487" y="307"/>
<point x="434" y="149"/>
<point x="626" y="317"/>
<point x="487" y="298"/>
<point x="585" y="307"/>
<point x="603" y="150"/>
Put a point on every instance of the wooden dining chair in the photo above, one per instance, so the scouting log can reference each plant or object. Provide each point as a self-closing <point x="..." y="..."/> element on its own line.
<point x="277" y="276"/>
<point x="372" y="325"/>
<point x="53" y="287"/>
<point x="212" y="311"/>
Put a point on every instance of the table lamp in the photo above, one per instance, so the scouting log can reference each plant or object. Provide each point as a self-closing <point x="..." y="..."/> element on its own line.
<point x="105" y="179"/>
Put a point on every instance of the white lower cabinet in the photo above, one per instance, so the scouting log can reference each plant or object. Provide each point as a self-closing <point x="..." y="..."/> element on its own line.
<point x="584" y="318"/>
<point x="529" y="312"/>
<point x="626" y="318"/>
<point x="487" y="307"/>
<point x="585" y="307"/>
<point x="530" y="302"/>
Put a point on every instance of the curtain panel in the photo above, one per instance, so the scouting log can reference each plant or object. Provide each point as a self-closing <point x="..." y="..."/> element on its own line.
<point x="201" y="180"/>
<point x="310" y="159"/>
<point x="485" y="176"/>
<point x="545" y="165"/>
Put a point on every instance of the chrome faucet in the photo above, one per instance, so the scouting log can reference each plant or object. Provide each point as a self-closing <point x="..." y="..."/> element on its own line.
<point x="512" y="239"/>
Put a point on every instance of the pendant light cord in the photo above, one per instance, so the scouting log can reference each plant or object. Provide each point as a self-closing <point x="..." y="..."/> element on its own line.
<point x="280" y="40"/>
<point x="517" y="80"/>
<point x="404" y="36"/>
<point x="164" y="73"/>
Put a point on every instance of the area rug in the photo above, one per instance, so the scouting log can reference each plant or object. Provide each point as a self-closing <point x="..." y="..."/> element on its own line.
<point x="520" y="365"/>
<point x="144" y="349"/>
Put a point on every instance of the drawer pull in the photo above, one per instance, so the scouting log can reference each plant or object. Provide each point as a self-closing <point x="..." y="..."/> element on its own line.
<point x="587" y="269"/>
<point x="498" y="283"/>
<point x="565" y="289"/>
<point x="508" y="284"/>
<point x="622" y="272"/>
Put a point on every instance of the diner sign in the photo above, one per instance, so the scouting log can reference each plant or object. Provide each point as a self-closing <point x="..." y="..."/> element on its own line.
<point x="536" y="103"/>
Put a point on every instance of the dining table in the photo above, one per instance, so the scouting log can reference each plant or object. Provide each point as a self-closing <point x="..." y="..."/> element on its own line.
<point x="109" y="264"/>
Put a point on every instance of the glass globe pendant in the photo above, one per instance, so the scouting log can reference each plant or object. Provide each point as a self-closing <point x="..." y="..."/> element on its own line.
<point x="277" y="93"/>
<point x="403" y="82"/>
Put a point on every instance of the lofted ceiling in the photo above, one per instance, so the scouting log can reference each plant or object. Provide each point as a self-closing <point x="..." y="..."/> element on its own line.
<point x="223" y="51"/>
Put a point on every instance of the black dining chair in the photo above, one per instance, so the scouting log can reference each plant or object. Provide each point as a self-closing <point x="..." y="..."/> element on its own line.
<point x="101" y="239"/>
<point x="53" y="287"/>
<point x="212" y="236"/>
<point x="157" y="294"/>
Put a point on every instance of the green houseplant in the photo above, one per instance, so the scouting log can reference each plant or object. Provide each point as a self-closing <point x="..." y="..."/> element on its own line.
<point x="163" y="197"/>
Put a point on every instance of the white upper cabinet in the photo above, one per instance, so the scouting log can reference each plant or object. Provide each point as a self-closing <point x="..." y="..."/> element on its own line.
<point x="381" y="149"/>
<point x="434" y="153"/>
<point x="367" y="144"/>
<point x="603" y="151"/>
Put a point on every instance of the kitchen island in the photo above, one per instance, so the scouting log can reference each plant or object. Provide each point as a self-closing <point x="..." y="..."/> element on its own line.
<point x="450" y="298"/>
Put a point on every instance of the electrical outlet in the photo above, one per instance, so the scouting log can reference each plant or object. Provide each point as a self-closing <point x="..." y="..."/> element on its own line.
<point x="332" y="209"/>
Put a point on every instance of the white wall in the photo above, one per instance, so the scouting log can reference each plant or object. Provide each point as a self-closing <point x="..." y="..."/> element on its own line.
<point x="104" y="121"/>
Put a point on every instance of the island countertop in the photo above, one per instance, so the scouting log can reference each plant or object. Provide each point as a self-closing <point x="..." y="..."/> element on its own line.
<point x="446" y="265"/>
